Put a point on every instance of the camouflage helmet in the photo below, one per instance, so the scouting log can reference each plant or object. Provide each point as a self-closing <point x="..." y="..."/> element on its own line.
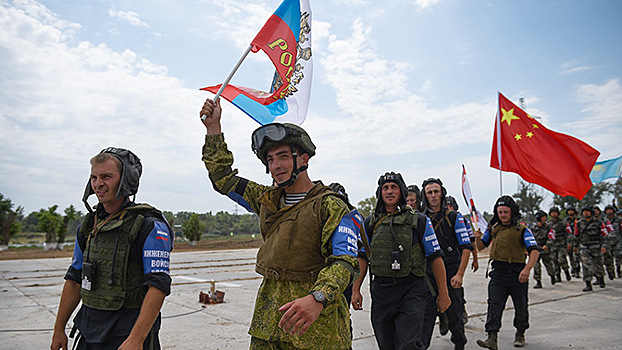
<point x="569" y="209"/>
<point x="609" y="206"/>
<point x="587" y="208"/>
<point x="267" y="136"/>
<point x="540" y="214"/>
<point x="556" y="209"/>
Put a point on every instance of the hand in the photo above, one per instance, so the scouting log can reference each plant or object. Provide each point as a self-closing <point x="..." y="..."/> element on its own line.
<point x="576" y="250"/>
<point x="59" y="340"/>
<point x="603" y="250"/>
<point x="211" y="111"/>
<point x="524" y="275"/>
<point x="443" y="302"/>
<point x="545" y="247"/>
<point x="357" y="300"/>
<point x="131" y="344"/>
<point x="300" y="314"/>
<point x="569" y="247"/>
<point x="475" y="265"/>
<point x="478" y="234"/>
<point x="456" y="281"/>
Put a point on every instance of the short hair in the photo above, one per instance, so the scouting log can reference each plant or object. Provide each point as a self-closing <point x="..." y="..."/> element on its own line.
<point x="103" y="157"/>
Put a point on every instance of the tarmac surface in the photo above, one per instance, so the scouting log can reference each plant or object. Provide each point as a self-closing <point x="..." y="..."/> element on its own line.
<point x="561" y="316"/>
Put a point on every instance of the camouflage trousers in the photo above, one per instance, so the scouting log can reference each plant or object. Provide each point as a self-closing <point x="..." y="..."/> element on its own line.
<point x="592" y="262"/>
<point x="615" y="246"/>
<point x="559" y="257"/>
<point x="545" y="258"/>
<point x="575" y="261"/>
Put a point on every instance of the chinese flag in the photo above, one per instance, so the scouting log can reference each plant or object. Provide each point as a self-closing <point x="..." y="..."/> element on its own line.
<point x="558" y="162"/>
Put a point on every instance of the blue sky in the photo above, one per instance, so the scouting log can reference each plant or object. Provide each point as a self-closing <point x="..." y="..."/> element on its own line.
<point x="405" y="85"/>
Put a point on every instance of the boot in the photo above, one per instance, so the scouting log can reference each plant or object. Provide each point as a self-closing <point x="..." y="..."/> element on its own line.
<point x="618" y="270"/>
<point x="490" y="343"/>
<point x="601" y="281"/>
<point x="558" y="278"/>
<point x="588" y="286"/>
<point x="611" y="275"/>
<point x="567" y="275"/>
<point x="443" y="323"/>
<point x="553" y="280"/>
<point x="538" y="285"/>
<point x="465" y="317"/>
<point x="458" y="347"/>
<point x="519" y="339"/>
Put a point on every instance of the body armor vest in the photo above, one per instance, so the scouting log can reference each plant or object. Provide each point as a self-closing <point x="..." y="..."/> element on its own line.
<point x="443" y="224"/>
<point x="292" y="248"/>
<point x="541" y="234"/>
<point x="559" y="227"/>
<point x="118" y="281"/>
<point x="589" y="232"/>
<point x="384" y="246"/>
<point x="507" y="244"/>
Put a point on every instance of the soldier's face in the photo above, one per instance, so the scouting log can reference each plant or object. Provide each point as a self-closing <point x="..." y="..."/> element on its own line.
<point x="433" y="195"/>
<point x="505" y="214"/>
<point x="281" y="162"/>
<point x="412" y="200"/>
<point x="390" y="195"/>
<point x="105" y="180"/>
<point x="554" y="214"/>
<point x="609" y="212"/>
<point x="586" y="214"/>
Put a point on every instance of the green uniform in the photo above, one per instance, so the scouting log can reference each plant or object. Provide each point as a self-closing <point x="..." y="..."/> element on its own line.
<point x="541" y="234"/>
<point x="615" y="240"/>
<point x="559" y="250"/>
<point x="591" y="238"/>
<point x="575" y="257"/>
<point x="331" y="330"/>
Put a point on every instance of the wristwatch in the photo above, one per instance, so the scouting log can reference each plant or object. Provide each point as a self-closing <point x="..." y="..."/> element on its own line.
<point x="320" y="297"/>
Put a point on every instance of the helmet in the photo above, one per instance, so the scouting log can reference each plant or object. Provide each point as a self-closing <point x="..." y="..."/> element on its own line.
<point x="273" y="134"/>
<point x="131" y="169"/>
<point x="569" y="209"/>
<point x="554" y="209"/>
<point x="596" y="207"/>
<point x="390" y="177"/>
<point x="452" y="201"/>
<point x="539" y="215"/>
<point x="338" y="188"/>
<point x="588" y="208"/>
<point x="424" y="200"/>
<point x="609" y="206"/>
<point x="505" y="201"/>
<point x="415" y="189"/>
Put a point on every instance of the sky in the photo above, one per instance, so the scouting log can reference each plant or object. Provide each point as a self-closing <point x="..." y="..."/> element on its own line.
<point x="407" y="85"/>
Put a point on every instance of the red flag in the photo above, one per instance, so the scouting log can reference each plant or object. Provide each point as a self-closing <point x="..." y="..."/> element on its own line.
<point x="558" y="162"/>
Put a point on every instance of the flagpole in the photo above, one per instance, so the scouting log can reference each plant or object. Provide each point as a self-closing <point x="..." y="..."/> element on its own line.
<point x="226" y="82"/>
<point x="498" y="123"/>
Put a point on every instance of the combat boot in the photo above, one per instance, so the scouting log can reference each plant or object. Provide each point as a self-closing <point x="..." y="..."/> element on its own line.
<point x="611" y="275"/>
<point x="558" y="278"/>
<point x="619" y="271"/>
<point x="601" y="281"/>
<point x="538" y="285"/>
<point x="567" y="275"/>
<point x="588" y="286"/>
<point x="519" y="339"/>
<point x="552" y="280"/>
<point x="490" y="343"/>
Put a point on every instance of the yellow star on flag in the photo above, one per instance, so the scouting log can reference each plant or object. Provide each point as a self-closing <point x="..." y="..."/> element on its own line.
<point x="508" y="116"/>
<point x="535" y="126"/>
<point x="529" y="134"/>
<point x="518" y="137"/>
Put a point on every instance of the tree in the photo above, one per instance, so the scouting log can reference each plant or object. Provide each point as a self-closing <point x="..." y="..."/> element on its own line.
<point x="193" y="229"/>
<point x="48" y="221"/>
<point x="366" y="206"/>
<point x="593" y="197"/>
<point x="617" y="192"/>
<point x="528" y="199"/>
<point x="8" y="217"/>
<point x="61" y="229"/>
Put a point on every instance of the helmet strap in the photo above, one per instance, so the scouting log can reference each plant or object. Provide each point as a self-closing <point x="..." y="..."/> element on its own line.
<point x="295" y="172"/>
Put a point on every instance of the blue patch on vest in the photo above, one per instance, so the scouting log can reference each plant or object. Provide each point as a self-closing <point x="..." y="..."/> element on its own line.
<point x="529" y="239"/>
<point x="430" y="242"/>
<point x="240" y="200"/>
<point x="462" y="233"/>
<point x="78" y="256"/>
<point x="347" y="234"/>
<point x="157" y="249"/>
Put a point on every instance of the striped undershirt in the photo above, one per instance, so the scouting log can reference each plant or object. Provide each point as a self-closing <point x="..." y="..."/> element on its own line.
<point x="293" y="198"/>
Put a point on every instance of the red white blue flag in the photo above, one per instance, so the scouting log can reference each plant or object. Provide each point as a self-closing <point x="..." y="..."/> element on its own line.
<point x="477" y="218"/>
<point x="286" y="39"/>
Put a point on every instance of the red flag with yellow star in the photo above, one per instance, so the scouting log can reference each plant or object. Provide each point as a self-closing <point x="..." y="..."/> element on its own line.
<point x="558" y="162"/>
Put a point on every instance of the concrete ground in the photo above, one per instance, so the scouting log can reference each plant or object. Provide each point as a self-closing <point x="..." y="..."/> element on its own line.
<point x="561" y="316"/>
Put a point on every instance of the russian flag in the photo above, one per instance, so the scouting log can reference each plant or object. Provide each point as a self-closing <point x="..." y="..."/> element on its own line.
<point x="286" y="39"/>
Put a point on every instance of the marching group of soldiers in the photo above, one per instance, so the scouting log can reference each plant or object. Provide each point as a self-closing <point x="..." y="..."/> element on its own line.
<point x="592" y="243"/>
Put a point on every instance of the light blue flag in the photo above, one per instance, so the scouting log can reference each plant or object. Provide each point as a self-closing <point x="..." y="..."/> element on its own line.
<point x="606" y="169"/>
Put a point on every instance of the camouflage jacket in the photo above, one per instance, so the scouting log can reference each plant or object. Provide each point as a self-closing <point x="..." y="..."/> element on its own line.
<point x="331" y="330"/>
<point x="592" y="233"/>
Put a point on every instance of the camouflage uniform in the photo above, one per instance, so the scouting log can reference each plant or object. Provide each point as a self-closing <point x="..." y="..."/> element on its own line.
<point x="608" y="256"/>
<point x="575" y="257"/>
<point x="591" y="236"/>
<point x="559" y="233"/>
<point x="541" y="234"/>
<point x="615" y="241"/>
<point x="331" y="330"/>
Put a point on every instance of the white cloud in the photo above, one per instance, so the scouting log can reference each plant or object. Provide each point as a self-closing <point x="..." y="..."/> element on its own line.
<point x="131" y="17"/>
<point x="573" y="67"/>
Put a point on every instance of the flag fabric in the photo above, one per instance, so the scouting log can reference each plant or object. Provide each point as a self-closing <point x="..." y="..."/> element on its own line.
<point x="479" y="221"/>
<point x="558" y="162"/>
<point x="606" y="169"/>
<point x="286" y="39"/>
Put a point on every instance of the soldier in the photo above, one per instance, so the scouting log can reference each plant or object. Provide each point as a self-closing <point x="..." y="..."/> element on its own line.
<point x="615" y="237"/>
<point x="608" y="259"/>
<point x="308" y="256"/>
<point x="453" y="238"/>
<point x="541" y="233"/>
<point x="510" y="242"/>
<point x="559" y="233"/>
<point x="414" y="197"/>
<point x="120" y="265"/>
<point x="575" y="258"/>
<point x="591" y="235"/>
<point x="402" y="244"/>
